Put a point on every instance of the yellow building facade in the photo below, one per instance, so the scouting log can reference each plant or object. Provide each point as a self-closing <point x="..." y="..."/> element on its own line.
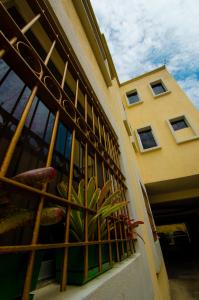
<point x="174" y="156"/>
<point x="165" y="129"/>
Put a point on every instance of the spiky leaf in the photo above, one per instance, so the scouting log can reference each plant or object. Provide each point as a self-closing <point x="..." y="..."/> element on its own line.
<point x="62" y="189"/>
<point x="81" y="192"/>
<point x="105" y="190"/>
<point x="90" y="190"/>
<point x="94" y="199"/>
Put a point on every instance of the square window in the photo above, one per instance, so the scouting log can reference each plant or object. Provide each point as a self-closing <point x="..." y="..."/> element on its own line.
<point x="147" y="138"/>
<point x="179" y="124"/>
<point x="133" y="97"/>
<point x="158" y="88"/>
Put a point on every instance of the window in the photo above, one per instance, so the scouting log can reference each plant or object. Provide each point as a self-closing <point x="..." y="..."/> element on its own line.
<point x="132" y="97"/>
<point x="179" y="123"/>
<point x="158" y="87"/>
<point x="146" y="138"/>
<point x="182" y="129"/>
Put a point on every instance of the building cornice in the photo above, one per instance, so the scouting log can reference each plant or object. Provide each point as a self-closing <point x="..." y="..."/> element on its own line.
<point x="143" y="75"/>
<point x="93" y="33"/>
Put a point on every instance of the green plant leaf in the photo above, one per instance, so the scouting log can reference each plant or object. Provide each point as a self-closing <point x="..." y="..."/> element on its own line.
<point x="81" y="192"/>
<point x="94" y="199"/>
<point x="113" y="197"/>
<point x="105" y="190"/>
<point x="62" y="189"/>
<point x="90" y="190"/>
<point x="77" y="222"/>
<point x="16" y="219"/>
<point x="75" y="197"/>
<point x="109" y="210"/>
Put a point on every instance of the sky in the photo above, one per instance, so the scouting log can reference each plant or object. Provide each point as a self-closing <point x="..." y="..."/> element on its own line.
<point x="145" y="34"/>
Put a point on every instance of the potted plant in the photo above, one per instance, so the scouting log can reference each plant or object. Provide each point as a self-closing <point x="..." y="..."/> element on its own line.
<point x="105" y="204"/>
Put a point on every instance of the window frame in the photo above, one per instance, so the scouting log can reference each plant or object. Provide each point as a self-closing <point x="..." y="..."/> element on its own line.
<point x="127" y="99"/>
<point x="160" y="80"/>
<point x="142" y="150"/>
<point x="190" y="125"/>
<point x="177" y="120"/>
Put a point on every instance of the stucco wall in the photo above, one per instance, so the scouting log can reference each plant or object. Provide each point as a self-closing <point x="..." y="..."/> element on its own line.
<point x="172" y="160"/>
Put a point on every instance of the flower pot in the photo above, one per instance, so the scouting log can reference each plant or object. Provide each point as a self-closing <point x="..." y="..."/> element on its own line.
<point x="13" y="272"/>
<point x="76" y="263"/>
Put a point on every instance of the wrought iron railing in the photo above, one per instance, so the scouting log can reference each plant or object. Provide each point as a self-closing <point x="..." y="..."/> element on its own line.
<point x="20" y="141"/>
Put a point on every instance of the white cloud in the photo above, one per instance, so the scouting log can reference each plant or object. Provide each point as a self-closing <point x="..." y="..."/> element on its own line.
<point x="143" y="34"/>
<point x="191" y="86"/>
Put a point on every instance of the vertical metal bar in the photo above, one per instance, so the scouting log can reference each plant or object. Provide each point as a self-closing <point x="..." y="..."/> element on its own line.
<point x="120" y="228"/>
<point x="67" y="223"/>
<point x="100" y="136"/>
<point x="131" y="242"/>
<point x="49" y="53"/>
<point x="126" y="213"/>
<point x="104" y="137"/>
<point x="115" y="228"/>
<point x="30" y="24"/>
<point x="109" y="146"/>
<point x="86" y="201"/>
<point x="17" y="134"/>
<point x="27" y="283"/>
<point x="98" y="220"/>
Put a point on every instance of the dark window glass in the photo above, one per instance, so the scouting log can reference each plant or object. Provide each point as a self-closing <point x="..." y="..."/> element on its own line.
<point x="179" y="124"/>
<point x="4" y="68"/>
<point x="10" y="90"/>
<point x="19" y="106"/>
<point x="32" y="148"/>
<point x="61" y="155"/>
<point x="147" y="139"/>
<point x="158" y="88"/>
<point x="14" y="96"/>
<point x="79" y="159"/>
<point x="40" y="119"/>
<point x="133" y="97"/>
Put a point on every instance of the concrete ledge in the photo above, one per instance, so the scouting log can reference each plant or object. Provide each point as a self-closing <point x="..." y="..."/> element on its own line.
<point x="121" y="282"/>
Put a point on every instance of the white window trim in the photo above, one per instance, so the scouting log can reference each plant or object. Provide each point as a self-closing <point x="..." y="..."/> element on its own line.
<point x="142" y="150"/>
<point x="190" y="124"/>
<point x="160" y="80"/>
<point x="136" y="103"/>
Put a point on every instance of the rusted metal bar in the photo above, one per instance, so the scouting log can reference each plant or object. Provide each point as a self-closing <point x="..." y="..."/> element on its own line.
<point x="115" y="228"/>
<point x="67" y="223"/>
<point x="47" y="195"/>
<point x="30" y="24"/>
<point x="86" y="201"/>
<point x="17" y="134"/>
<point x="30" y="247"/>
<point x="28" y="279"/>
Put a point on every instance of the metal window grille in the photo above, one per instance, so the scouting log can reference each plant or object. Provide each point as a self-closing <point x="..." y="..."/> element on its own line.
<point x="40" y="125"/>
